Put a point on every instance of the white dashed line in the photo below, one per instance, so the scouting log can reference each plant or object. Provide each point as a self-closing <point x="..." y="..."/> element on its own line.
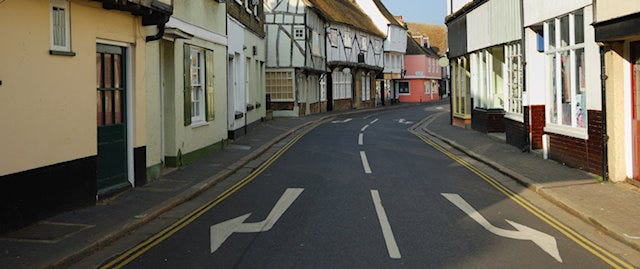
<point x="360" y="140"/>
<point x="365" y="163"/>
<point x="374" y="121"/>
<point x="364" y="128"/>
<point x="392" y="246"/>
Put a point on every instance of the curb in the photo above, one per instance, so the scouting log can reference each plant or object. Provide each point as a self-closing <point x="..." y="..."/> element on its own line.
<point x="197" y="189"/>
<point x="532" y="185"/>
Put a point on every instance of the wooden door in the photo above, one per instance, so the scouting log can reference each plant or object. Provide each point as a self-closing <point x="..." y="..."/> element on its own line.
<point x="111" y="118"/>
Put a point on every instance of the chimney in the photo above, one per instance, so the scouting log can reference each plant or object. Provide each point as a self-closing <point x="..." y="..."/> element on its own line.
<point x="399" y="18"/>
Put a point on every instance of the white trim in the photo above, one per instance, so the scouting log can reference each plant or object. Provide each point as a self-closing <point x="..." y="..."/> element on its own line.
<point x="130" y="115"/>
<point x="113" y="43"/>
<point x="514" y="116"/>
<point x="627" y="93"/>
<point x="576" y="132"/>
<point x="197" y="31"/>
<point x="422" y="77"/>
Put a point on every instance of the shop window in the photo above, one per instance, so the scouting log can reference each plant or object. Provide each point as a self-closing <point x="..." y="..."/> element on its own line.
<point x="403" y="87"/>
<point x="280" y="85"/>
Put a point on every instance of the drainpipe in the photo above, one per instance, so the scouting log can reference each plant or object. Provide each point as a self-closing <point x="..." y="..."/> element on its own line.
<point x="157" y="35"/>
<point x="605" y="137"/>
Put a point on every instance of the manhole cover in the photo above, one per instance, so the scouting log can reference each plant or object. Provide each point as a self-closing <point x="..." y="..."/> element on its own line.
<point x="47" y="232"/>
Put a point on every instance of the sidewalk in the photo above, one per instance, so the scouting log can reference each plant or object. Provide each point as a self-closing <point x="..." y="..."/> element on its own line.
<point x="613" y="207"/>
<point x="60" y="240"/>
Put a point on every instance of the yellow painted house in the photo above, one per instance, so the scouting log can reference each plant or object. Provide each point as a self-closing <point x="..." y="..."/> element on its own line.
<point x="72" y="102"/>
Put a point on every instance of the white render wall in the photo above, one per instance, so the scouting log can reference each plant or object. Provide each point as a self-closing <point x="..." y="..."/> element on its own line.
<point x="536" y="11"/>
<point x="373" y="55"/>
<point x="494" y="22"/>
<point x="610" y="9"/>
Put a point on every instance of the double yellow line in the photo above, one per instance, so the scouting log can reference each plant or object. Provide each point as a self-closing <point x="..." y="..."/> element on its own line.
<point x="601" y="253"/>
<point x="133" y="253"/>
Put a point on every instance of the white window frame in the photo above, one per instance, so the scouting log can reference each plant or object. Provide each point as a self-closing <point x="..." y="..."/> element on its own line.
<point x="559" y="127"/>
<point x="513" y="59"/>
<point x="62" y="4"/>
<point x="323" y="87"/>
<point x="271" y="82"/>
<point x="298" y="32"/>
<point x="247" y="6"/>
<point x="197" y="87"/>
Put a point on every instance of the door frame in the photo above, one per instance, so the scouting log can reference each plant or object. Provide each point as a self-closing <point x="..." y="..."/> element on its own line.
<point x="129" y="103"/>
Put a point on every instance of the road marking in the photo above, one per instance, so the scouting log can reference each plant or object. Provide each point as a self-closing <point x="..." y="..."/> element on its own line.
<point x="360" y="139"/>
<point x="342" y="121"/>
<point x="596" y="250"/>
<point x="374" y="121"/>
<point x="364" y="128"/>
<point x="543" y="240"/>
<point x="135" y="252"/>
<point x="221" y="231"/>
<point x="392" y="246"/>
<point x="365" y="163"/>
<point x="403" y="121"/>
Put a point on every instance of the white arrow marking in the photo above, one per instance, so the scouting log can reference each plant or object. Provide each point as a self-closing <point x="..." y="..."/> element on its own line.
<point x="342" y="121"/>
<point x="221" y="231"/>
<point x="403" y="121"/>
<point x="543" y="240"/>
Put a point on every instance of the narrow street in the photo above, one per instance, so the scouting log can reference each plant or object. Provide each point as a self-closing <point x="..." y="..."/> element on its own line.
<point x="361" y="191"/>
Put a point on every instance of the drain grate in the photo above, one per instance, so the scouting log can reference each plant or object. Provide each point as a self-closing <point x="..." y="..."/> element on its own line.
<point x="46" y="232"/>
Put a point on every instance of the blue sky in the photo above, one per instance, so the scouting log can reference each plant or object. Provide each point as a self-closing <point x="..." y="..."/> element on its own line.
<point x="428" y="11"/>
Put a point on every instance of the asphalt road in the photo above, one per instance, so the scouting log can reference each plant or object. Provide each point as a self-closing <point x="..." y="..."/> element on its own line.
<point x="321" y="205"/>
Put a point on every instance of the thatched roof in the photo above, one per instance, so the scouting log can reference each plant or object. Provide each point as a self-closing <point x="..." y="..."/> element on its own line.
<point x="345" y="12"/>
<point x="437" y="35"/>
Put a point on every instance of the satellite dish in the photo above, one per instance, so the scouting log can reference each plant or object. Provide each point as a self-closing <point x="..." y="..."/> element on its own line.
<point x="443" y="61"/>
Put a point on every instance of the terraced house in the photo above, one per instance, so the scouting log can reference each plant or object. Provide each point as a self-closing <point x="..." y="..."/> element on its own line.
<point x="186" y="86"/>
<point x="354" y="54"/>
<point x="78" y="131"/>
<point x="296" y="63"/>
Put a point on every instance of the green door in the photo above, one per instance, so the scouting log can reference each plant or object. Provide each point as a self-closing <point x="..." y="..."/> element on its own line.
<point x="112" y="128"/>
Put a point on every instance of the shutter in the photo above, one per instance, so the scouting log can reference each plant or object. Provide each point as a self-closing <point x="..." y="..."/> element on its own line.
<point x="210" y="113"/>
<point x="187" y="84"/>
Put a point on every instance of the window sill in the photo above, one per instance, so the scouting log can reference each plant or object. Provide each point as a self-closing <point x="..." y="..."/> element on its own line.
<point x="62" y="53"/>
<point x="514" y="117"/>
<point x="580" y="133"/>
<point x="199" y="124"/>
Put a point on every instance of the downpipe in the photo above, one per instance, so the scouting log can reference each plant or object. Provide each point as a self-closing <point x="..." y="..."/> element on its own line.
<point x="605" y="137"/>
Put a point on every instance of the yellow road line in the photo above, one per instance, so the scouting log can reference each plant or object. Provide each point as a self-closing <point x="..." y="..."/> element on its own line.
<point x="157" y="238"/>
<point x="599" y="252"/>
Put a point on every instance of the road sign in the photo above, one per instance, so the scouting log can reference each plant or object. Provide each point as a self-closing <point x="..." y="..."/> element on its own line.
<point x="221" y="231"/>
<point x="543" y="240"/>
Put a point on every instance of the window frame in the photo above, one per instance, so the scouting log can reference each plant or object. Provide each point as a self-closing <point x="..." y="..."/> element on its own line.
<point x="554" y="52"/>
<point x="514" y="80"/>
<point x="408" y="92"/>
<point x="65" y="5"/>
<point x="277" y="82"/>
<point x="299" y="32"/>
<point x="198" y="95"/>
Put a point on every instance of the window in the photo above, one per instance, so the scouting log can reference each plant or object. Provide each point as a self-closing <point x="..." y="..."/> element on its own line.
<point x="60" y="26"/>
<point x="197" y="85"/>
<point x="460" y="87"/>
<point x="514" y="79"/>
<point x="347" y="39"/>
<point x="333" y="37"/>
<point x="366" y="87"/>
<point x="566" y="86"/>
<point x="323" y="88"/>
<point x="364" y="43"/>
<point x="403" y="87"/>
<point x="298" y="32"/>
<point x="341" y="84"/>
<point x="315" y="44"/>
<point x="247" y="7"/>
<point x="280" y="85"/>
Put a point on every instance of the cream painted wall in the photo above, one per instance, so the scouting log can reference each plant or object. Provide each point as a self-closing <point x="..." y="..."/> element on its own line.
<point x="48" y="103"/>
<point x="610" y="9"/>
<point x="257" y="92"/>
<point x="153" y="107"/>
<point x="208" y="14"/>
<point x="614" y="65"/>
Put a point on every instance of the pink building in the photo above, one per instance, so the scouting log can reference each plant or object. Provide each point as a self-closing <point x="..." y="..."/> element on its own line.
<point x="421" y="81"/>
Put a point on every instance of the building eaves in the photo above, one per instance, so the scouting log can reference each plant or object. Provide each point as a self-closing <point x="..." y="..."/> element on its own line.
<point x="345" y="12"/>
<point x="464" y="10"/>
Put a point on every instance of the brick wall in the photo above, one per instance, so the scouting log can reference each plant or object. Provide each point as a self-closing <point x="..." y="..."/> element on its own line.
<point x="536" y="127"/>
<point x="487" y="121"/>
<point x="238" y="11"/>
<point x="580" y="153"/>
<point x="303" y="109"/>
<point x="341" y="104"/>
<point x="462" y="123"/>
<point x="516" y="133"/>
<point x="282" y="106"/>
